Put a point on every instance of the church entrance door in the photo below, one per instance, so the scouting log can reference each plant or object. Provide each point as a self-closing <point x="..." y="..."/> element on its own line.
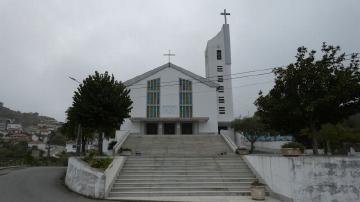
<point x="169" y="128"/>
<point x="151" y="128"/>
<point x="186" y="128"/>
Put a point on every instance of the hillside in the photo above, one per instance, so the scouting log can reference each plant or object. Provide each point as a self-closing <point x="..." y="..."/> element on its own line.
<point x="26" y="119"/>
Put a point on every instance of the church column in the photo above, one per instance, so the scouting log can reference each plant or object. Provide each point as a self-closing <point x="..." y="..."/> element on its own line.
<point x="160" y="128"/>
<point x="177" y="129"/>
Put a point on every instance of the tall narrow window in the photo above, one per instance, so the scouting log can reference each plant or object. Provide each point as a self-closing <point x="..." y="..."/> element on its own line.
<point x="221" y="99"/>
<point x="221" y="89"/>
<point x="219" y="69"/>
<point x="221" y="110"/>
<point x="185" y="98"/>
<point x="218" y="54"/>
<point x="153" y="98"/>
<point x="220" y="79"/>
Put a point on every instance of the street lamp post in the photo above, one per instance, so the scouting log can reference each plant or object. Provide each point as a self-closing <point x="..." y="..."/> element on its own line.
<point x="78" y="136"/>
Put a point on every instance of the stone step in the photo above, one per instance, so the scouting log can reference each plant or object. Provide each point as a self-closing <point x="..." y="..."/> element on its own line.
<point x="225" y="157"/>
<point x="185" y="169"/>
<point x="189" y="188"/>
<point x="183" y="172"/>
<point x="186" y="180"/>
<point x="118" y="195"/>
<point x="229" y="156"/>
<point x="185" y="176"/>
<point x="185" y="163"/>
<point x="182" y="184"/>
<point x="193" y="165"/>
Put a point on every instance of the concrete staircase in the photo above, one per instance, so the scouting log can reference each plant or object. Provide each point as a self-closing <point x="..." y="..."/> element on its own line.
<point x="179" y="166"/>
<point x="183" y="176"/>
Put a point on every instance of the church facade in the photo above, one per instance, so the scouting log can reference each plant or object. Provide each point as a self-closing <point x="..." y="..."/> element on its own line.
<point x="170" y="100"/>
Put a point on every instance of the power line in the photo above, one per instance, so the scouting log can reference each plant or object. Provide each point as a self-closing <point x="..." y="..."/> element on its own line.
<point x="199" y="82"/>
<point x="225" y="75"/>
<point x="245" y="72"/>
<point x="197" y="92"/>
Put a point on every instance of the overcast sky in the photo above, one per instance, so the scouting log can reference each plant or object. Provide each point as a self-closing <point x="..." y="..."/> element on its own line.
<point x="44" y="42"/>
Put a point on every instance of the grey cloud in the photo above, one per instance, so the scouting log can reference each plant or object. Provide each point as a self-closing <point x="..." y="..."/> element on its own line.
<point x="43" y="42"/>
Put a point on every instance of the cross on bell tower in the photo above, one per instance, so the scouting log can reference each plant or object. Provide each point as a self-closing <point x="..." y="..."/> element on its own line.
<point x="225" y="14"/>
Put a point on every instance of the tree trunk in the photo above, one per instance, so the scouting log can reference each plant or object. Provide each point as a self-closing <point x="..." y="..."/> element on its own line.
<point x="83" y="144"/>
<point x="252" y="147"/>
<point x="100" y="144"/>
<point x="328" y="147"/>
<point x="315" y="145"/>
<point x="48" y="150"/>
<point x="78" y="149"/>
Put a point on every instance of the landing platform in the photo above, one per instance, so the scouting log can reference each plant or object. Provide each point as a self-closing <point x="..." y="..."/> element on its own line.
<point x="197" y="199"/>
<point x="177" y="145"/>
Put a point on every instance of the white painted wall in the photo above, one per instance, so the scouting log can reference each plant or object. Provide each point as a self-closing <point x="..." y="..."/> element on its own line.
<point x="70" y="147"/>
<point x="204" y="101"/>
<point x="40" y="146"/>
<point x="310" y="178"/>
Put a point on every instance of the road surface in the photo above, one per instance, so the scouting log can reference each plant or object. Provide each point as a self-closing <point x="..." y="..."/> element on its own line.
<point x="36" y="184"/>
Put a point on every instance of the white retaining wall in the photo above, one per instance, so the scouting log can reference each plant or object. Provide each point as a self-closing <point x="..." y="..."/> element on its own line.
<point x="91" y="182"/>
<point x="309" y="178"/>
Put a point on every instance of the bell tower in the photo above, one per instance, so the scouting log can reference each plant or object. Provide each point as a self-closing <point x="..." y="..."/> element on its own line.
<point x="218" y="69"/>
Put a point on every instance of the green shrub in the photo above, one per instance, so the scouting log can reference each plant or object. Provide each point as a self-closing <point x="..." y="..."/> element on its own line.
<point x="89" y="155"/>
<point x="293" y="145"/>
<point x="100" y="163"/>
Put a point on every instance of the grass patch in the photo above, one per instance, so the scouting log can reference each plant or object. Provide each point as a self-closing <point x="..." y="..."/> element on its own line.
<point x="100" y="163"/>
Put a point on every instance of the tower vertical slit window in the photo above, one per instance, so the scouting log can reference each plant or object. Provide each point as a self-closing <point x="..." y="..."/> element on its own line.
<point x="185" y="98"/>
<point x="153" y="98"/>
<point x="218" y="54"/>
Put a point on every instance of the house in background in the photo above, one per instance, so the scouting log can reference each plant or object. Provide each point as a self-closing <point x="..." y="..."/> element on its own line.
<point x="14" y="128"/>
<point x="4" y="123"/>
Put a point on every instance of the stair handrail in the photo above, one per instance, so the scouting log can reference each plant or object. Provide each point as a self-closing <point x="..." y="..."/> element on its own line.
<point x="229" y="141"/>
<point x="120" y="141"/>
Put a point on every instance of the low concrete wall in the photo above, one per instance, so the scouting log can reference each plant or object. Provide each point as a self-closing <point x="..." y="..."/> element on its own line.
<point x="112" y="172"/>
<point x="91" y="182"/>
<point x="83" y="179"/>
<point x="309" y="178"/>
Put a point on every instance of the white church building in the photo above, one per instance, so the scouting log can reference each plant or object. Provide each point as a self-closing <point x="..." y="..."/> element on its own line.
<point x="170" y="100"/>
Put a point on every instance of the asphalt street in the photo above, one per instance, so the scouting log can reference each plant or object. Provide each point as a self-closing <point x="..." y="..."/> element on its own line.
<point x="36" y="184"/>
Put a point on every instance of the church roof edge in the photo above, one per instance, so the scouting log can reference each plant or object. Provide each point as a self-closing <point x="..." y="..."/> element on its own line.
<point x="201" y="79"/>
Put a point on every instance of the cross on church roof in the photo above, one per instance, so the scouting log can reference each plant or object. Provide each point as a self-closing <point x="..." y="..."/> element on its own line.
<point x="169" y="55"/>
<point x="225" y="14"/>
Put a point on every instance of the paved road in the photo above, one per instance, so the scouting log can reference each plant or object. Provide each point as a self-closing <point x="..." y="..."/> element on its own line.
<point x="36" y="184"/>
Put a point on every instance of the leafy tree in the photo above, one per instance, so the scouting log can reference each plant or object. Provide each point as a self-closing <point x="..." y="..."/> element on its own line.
<point x="56" y="138"/>
<point x="101" y="103"/>
<point x="312" y="92"/>
<point x="71" y="128"/>
<point x="335" y="135"/>
<point x="353" y="121"/>
<point x="251" y="128"/>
